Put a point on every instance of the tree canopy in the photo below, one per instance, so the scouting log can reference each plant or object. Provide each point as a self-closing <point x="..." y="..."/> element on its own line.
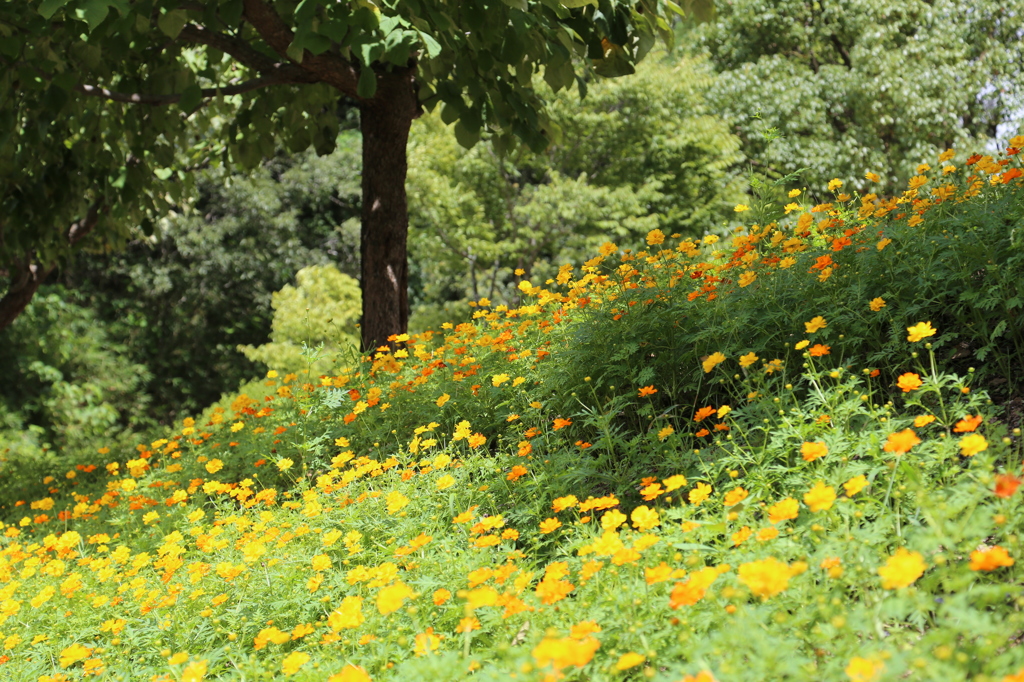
<point x="867" y="85"/>
<point x="134" y="92"/>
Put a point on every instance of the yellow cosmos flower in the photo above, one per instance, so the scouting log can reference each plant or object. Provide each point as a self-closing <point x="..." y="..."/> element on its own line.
<point x="855" y="485"/>
<point x="919" y="331"/>
<point x="700" y="492"/>
<point x="877" y="304"/>
<point x="902" y="569"/>
<point x="765" y="578"/>
<point x="644" y="518"/>
<point x="820" y="497"/>
<point x="712" y="361"/>
<point x="740" y="208"/>
<point x="630" y="660"/>
<point x="972" y="444"/>
<point x="293" y="661"/>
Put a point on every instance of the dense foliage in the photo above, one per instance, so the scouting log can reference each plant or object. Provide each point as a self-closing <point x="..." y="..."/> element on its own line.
<point x="812" y="496"/>
<point x="865" y="85"/>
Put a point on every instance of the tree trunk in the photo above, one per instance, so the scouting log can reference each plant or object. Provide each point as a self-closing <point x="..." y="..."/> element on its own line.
<point x="385" y="121"/>
<point x="23" y="284"/>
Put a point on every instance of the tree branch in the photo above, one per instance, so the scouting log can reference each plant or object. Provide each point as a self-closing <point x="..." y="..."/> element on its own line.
<point x="80" y="228"/>
<point x="283" y="75"/>
<point x="327" y="67"/>
<point x="238" y="48"/>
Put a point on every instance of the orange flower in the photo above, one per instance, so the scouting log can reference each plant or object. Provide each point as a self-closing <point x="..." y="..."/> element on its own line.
<point x="923" y="420"/>
<point x="704" y="413"/>
<point x="909" y="382"/>
<point x="735" y="496"/>
<point x="517" y="473"/>
<point x="990" y="559"/>
<point x="648" y="390"/>
<point x="818" y="350"/>
<point x="550" y="525"/>
<point x="1006" y="485"/>
<point x="561" y="423"/>
<point x="814" y="450"/>
<point x="967" y="424"/>
<point x="901" y="442"/>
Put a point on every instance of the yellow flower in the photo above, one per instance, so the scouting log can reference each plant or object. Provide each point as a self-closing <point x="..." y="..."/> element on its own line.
<point x="445" y="482"/>
<point x="815" y="324"/>
<point x="390" y="598"/>
<point x="748" y="359"/>
<point x="665" y="432"/>
<point x="800" y="345"/>
<point x="655" y="237"/>
<point x="834" y="184"/>
<point x="747" y="278"/>
<point x="855" y="485"/>
<point x="237" y="426"/>
<point x="611" y="520"/>
<point x="73" y="654"/>
<point x="674" y="482"/>
<point x="214" y="465"/>
<point x="395" y="501"/>
<point x="699" y="493"/>
<point x="194" y="671"/>
<point x="820" y="497"/>
<point x="712" y="361"/>
<point x="765" y="578"/>
<point x="442" y="400"/>
<point x="783" y="510"/>
<point x="864" y="669"/>
<point x="873" y="177"/>
<point x="348" y="615"/>
<point x="630" y="660"/>
<point x="550" y="525"/>
<point x="740" y="208"/>
<point x="972" y="444"/>
<point x="920" y="331"/>
<point x="321" y="562"/>
<point x="901" y="442"/>
<point x="499" y="379"/>
<point x="293" y="661"/>
<point x="923" y="420"/>
<point x="284" y="464"/>
<point x="877" y="304"/>
<point x="794" y="193"/>
<point x="644" y="518"/>
<point x="902" y="569"/>
<point x="350" y="673"/>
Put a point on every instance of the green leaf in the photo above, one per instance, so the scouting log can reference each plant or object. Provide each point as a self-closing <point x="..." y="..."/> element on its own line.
<point x="172" y="22"/>
<point x="466" y="133"/>
<point x="367" y="86"/>
<point x="521" y="5"/>
<point x="191" y="98"/>
<point x="94" y="12"/>
<point x="231" y="12"/>
<point x="48" y="7"/>
<point x="433" y="47"/>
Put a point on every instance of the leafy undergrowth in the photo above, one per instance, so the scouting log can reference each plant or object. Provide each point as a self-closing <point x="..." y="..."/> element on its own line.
<point x="765" y="461"/>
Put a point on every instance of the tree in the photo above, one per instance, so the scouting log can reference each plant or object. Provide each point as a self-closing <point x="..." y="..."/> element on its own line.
<point x="866" y="85"/>
<point x="248" y="74"/>
<point x="638" y="153"/>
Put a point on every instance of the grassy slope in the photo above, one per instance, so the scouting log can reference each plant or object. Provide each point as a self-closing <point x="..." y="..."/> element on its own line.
<point x="509" y="498"/>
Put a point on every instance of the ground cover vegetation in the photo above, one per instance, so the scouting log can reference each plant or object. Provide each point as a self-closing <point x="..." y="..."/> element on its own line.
<point x="796" y="457"/>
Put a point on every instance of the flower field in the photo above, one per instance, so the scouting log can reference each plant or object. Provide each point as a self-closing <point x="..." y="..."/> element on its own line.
<point x="787" y="453"/>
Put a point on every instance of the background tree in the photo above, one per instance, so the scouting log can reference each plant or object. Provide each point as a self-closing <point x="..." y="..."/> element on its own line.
<point x="183" y="299"/>
<point x="868" y="85"/>
<point x="276" y="70"/>
<point x="637" y="153"/>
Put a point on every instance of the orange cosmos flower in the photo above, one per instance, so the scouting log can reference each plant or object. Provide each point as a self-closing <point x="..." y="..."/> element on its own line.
<point x="967" y="424"/>
<point x="648" y="390"/>
<point x="812" y="451"/>
<point x="909" y="382"/>
<point x="783" y="510"/>
<point x="704" y="413"/>
<point x="561" y="423"/>
<point x="550" y="525"/>
<point x="819" y="349"/>
<point x="1006" y="485"/>
<point x="990" y="559"/>
<point x="901" y="442"/>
